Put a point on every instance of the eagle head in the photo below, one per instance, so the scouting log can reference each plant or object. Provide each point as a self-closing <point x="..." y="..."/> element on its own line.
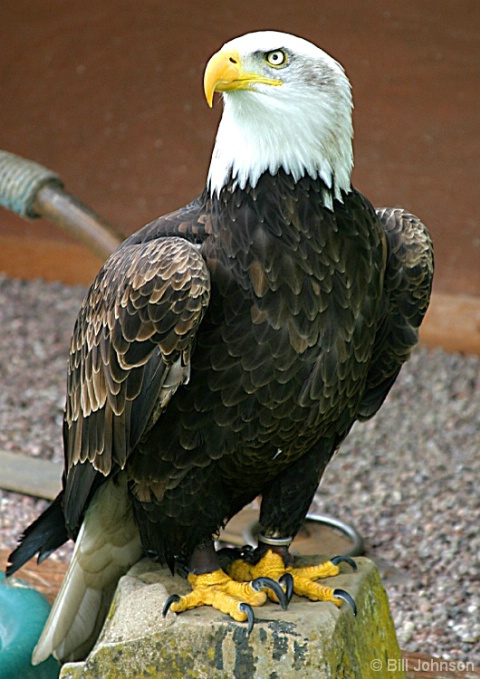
<point x="287" y="105"/>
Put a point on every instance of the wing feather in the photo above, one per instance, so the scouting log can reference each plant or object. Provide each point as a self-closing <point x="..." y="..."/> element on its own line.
<point x="129" y="353"/>
<point x="406" y="295"/>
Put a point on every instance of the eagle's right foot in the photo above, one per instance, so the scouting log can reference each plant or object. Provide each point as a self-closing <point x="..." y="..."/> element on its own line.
<point x="302" y="581"/>
<point x="217" y="589"/>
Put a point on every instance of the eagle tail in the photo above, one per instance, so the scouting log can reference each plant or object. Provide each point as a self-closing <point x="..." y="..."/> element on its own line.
<point x="107" y="545"/>
<point x="43" y="536"/>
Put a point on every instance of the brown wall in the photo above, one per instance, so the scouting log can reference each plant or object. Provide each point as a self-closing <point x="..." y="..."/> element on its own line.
<point x="109" y="95"/>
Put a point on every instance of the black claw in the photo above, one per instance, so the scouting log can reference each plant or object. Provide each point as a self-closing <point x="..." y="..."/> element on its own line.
<point x="345" y="596"/>
<point x="344" y="559"/>
<point x="287" y="580"/>
<point x="262" y="582"/>
<point x="172" y="599"/>
<point x="246" y="608"/>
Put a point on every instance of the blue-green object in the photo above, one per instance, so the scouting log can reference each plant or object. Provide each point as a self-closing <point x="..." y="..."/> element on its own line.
<point x="23" y="613"/>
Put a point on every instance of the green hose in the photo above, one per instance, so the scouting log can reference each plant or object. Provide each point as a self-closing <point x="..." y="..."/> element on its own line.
<point x="20" y="181"/>
<point x="31" y="190"/>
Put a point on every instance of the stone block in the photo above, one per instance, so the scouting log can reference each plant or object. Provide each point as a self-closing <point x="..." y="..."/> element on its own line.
<point x="310" y="639"/>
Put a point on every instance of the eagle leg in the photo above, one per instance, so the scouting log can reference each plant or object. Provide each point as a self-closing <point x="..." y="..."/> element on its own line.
<point x="273" y="565"/>
<point x="219" y="590"/>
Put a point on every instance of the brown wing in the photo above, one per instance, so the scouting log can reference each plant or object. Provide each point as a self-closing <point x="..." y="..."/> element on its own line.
<point x="129" y="353"/>
<point x="406" y="295"/>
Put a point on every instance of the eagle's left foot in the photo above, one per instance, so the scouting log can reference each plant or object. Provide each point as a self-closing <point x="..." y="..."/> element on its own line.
<point x="219" y="590"/>
<point x="272" y="565"/>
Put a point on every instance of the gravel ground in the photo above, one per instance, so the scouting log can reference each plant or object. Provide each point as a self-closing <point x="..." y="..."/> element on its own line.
<point x="408" y="479"/>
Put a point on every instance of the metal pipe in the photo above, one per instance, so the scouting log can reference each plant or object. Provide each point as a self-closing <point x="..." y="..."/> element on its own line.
<point x="77" y="219"/>
<point x="31" y="190"/>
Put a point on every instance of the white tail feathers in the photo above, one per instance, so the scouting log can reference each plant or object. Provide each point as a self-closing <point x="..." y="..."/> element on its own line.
<point x="108" y="544"/>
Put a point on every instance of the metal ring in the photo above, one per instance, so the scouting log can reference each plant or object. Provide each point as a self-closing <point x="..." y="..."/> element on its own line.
<point x="357" y="548"/>
<point x="275" y="542"/>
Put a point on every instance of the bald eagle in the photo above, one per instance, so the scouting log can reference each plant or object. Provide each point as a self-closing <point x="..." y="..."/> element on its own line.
<point x="225" y="350"/>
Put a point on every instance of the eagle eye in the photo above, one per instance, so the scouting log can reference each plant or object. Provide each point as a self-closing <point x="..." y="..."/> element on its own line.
<point x="276" y="58"/>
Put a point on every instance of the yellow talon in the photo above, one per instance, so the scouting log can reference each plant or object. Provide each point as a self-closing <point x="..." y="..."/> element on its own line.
<point x="271" y="565"/>
<point x="323" y="570"/>
<point x="248" y="585"/>
<point x="306" y="587"/>
<point x="217" y="589"/>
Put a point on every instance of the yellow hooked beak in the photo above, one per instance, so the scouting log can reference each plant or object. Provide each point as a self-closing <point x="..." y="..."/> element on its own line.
<point x="224" y="72"/>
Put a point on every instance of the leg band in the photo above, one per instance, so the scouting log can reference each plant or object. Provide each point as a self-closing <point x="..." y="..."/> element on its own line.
<point x="274" y="542"/>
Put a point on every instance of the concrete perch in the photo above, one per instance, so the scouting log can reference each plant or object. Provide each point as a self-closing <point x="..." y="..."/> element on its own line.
<point x="308" y="640"/>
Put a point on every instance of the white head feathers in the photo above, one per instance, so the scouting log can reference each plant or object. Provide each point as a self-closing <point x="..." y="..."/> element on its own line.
<point x="304" y="125"/>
